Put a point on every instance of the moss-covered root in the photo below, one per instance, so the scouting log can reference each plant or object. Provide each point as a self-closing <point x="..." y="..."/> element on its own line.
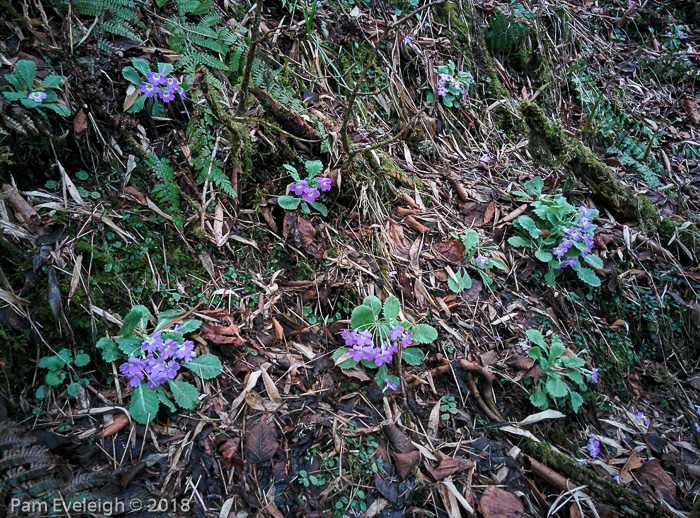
<point x="607" y="492"/>
<point x="548" y="140"/>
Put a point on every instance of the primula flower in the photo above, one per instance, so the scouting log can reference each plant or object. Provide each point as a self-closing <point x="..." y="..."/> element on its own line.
<point x="584" y="222"/>
<point x="669" y="34"/>
<point x="593" y="447"/>
<point x="594" y="375"/>
<point x="681" y="35"/>
<point x="155" y="78"/>
<point x="559" y="251"/>
<point x="299" y="187"/>
<point x="171" y="83"/>
<point x="388" y="385"/>
<point x="483" y="261"/>
<point x="442" y="91"/>
<point x="186" y="352"/>
<point x="37" y="97"/>
<point x="133" y="370"/>
<point x="148" y="89"/>
<point x="485" y="159"/>
<point x="697" y="427"/>
<point x="363" y="338"/>
<point x="408" y="39"/>
<point x="585" y="211"/>
<point x="169" y="348"/>
<point x="324" y="183"/>
<point x="407" y="339"/>
<point x="396" y="333"/>
<point x="349" y="337"/>
<point x="641" y="417"/>
<point x="153" y="343"/>
<point x="166" y="95"/>
<point x="181" y="92"/>
<point x="569" y="261"/>
<point x="310" y="194"/>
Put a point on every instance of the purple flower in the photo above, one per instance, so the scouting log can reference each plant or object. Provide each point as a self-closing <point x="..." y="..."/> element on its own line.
<point x="155" y="78"/>
<point x="166" y="95"/>
<point x="442" y="91"/>
<point x="445" y="77"/>
<point x="481" y="260"/>
<point x="356" y="353"/>
<point x="299" y="187"/>
<point x="575" y="233"/>
<point x="697" y="427"/>
<point x="485" y="159"/>
<point x="569" y="261"/>
<point x="407" y="339"/>
<point x="408" y="39"/>
<point x="396" y="333"/>
<point x="186" y="352"/>
<point x="641" y="417"/>
<point x="594" y="375"/>
<point x="388" y="385"/>
<point x="584" y="222"/>
<point x="169" y="348"/>
<point x="669" y="34"/>
<point x="585" y="211"/>
<point x="181" y="92"/>
<point x="681" y="35"/>
<point x="363" y="338"/>
<point x="324" y="183"/>
<point x="559" y="251"/>
<point x="133" y="370"/>
<point x="382" y="356"/>
<point x="171" y="83"/>
<point x="310" y="194"/>
<point x="153" y="343"/>
<point x="148" y="89"/>
<point x="593" y="447"/>
<point x="349" y="337"/>
<point x="37" y="97"/>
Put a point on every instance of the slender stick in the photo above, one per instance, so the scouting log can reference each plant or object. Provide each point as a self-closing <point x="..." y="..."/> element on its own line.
<point x="254" y="40"/>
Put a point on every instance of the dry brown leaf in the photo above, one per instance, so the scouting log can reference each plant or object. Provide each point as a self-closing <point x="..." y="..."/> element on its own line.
<point x="690" y="107"/>
<point x="302" y="233"/>
<point x="405" y="463"/>
<point x="80" y="122"/>
<point x="449" y="466"/>
<point x="451" y="251"/>
<point x="261" y="442"/>
<point x="497" y="503"/>
<point x="657" y="481"/>
<point x="117" y="424"/>
<point x="632" y="463"/>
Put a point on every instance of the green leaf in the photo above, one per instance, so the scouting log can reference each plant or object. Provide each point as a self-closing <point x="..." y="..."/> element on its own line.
<point x="110" y="353"/>
<point x="144" y="404"/>
<point x="593" y="260"/>
<point x="58" y="108"/>
<point x="13" y="96"/>
<point x="550" y="277"/>
<point x="41" y="392"/>
<point x="313" y="167"/>
<point x="535" y="353"/>
<point x="82" y="359"/>
<point x="557" y="349"/>
<point x="347" y="364"/>
<point x="163" y="398"/>
<point x="129" y="344"/>
<point x="25" y="71"/>
<point x="556" y="387"/>
<point x="539" y="399"/>
<point x="185" y="394"/>
<point x="413" y="356"/>
<point x="53" y="81"/>
<point x="132" y="75"/>
<point x="519" y="242"/>
<point x="424" y="334"/>
<point x="142" y="66"/>
<point x="292" y="171"/>
<point x="588" y="276"/>
<point x="138" y="104"/>
<point x="374" y="303"/>
<point x="362" y="316"/>
<point x="54" y="378"/>
<point x="190" y="325"/>
<point x="392" y="308"/>
<point x="529" y="224"/>
<point x="288" y="202"/>
<point x="74" y="389"/>
<point x="164" y="68"/>
<point x="320" y="207"/>
<point x="543" y="256"/>
<point x="577" y="378"/>
<point x="206" y="366"/>
<point x="470" y="239"/>
<point x="52" y="363"/>
<point x="137" y="317"/>
<point x="572" y="363"/>
<point x="536" y="337"/>
<point x="576" y="401"/>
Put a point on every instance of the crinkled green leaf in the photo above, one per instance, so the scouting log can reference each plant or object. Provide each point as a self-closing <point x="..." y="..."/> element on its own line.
<point x="470" y="239"/>
<point x="129" y="344"/>
<point x="164" y="68"/>
<point x="141" y="65"/>
<point x="576" y="401"/>
<point x="557" y="349"/>
<point x="110" y="352"/>
<point x="556" y="387"/>
<point x="588" y="276"/>
<point x="539" y="399"/>
<point x="347" y="364"/>
<point x="362" y="316"/>
<point x="52" y="81"/>
<point x="424" y="334"/>
<point x="593" y="260"/>
<point x="206" y="366"/>
<point x="313" y="167"/>
<point x="185" y="394"/>
<point x="536" y="337"/>
<point x="392" y="308"/>
<point x="132" y="75"/>
<point x="573" y="362"/>
<point x="82" y="359"/>
<point x="528" y="224"/>
<point x="518" y="242"/>
<point x="25" y="71"/>
<point x="413" y="356"/>
<point x="374" y="303"/>
<point x="74" y="389"/>
<point x="320" y="207"/>
<point x="543" y="256"/>
<point x="144" y="404"/>
<point x="137" y="317"/>
<point x="288" y="202"/>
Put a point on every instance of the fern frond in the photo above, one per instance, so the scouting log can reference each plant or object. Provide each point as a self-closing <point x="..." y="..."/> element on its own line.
<point x="33" y="455"/>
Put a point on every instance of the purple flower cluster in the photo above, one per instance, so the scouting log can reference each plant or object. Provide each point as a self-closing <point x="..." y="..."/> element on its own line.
<point x="447" y="80"/>
<point x="579" y="232"/>
<point x="363" y="348"/>
<point x="37" y="96"/>
<point x="482" y="260"/>
<point x="163" y="86"/>
<point x="156" y="370"/>
<point x="593" y="447"/>
<point x="641" y="417"/>
<point x="594" y="375"/>
<point x="309" y="192"/>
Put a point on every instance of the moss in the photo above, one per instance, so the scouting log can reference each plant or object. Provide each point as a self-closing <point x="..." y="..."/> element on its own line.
<point x="608" y="492"/>
<point x="389" y="168"/>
